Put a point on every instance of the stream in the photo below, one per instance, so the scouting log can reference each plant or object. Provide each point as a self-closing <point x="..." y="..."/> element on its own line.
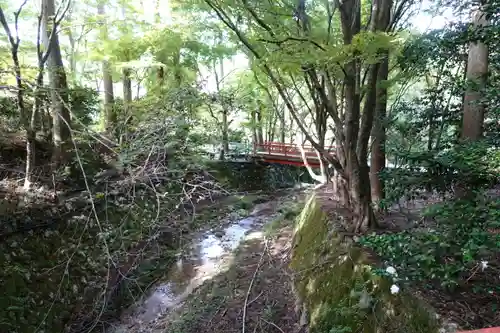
<point x="205" y="256"/>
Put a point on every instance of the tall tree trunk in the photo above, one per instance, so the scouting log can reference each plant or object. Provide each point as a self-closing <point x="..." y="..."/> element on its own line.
<point x="72" y="54"/>
<point x="31" y="132"/>
<point x="225" y="111"/>
<point x="477" y="70"/>
<point x="177" y="69"/>
<point x="473" y="108"/>
<point x="127" y="89"/>
<point x="253" y="116"/>
<point x="260" y="125"/>
<point x="377" y="163"/>
<point x="292" y="129"/>
<point x="107" y="78"/>
<point x="356" y="135"/>
<point x="224" y="122"/>
<point x="381" y="21"/>
<point x="25" y="120"/>
<point x="61" y="119"/>
<point x="225" y="131"/>
<point x="282" y="126"/>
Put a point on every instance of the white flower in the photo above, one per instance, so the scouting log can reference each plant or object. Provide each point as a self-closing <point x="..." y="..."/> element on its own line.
<point x="484" y="265"/>
<point x="391" y="270"/>
<point x="394" y="289"/>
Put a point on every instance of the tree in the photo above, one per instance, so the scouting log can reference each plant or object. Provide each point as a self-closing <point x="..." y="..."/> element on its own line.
<point x="61" y="119"/>
<point x="328" y="80"/>
<point x="107" y="75"/>
<point x="477" y="71"/>
<point x="15" y="41"/>
<point x="28" y="119"/>
<point x="380" y="21"/>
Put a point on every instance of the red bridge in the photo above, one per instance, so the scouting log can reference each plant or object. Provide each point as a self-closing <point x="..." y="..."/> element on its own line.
<point x="288" y="153"/>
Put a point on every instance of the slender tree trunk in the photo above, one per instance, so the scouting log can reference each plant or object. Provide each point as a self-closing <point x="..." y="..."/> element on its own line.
<point x="157" y="12"/>
<point x="225" y="131"/>
<point x="30" y="135"/>
<point x="127" y="89"/>
<point x="380" y="22"/>
<point x="260" y="130"/>
<point x="477" y="70"/>
<point x="282" y="126"/>
<point x="224" y="122"/>
<point x="255" y="139"/>
<point x="107" y="78"/>
<point x="225" y="111"/>
<point x="48" y="120"/>
<point x="378" y="158"/>
<point x="473" y="108"/>
<point x="31" y="130"/>
<point x="61" y="119"/>
<point x="177" y="69"/>
<point x="72" y="54"/>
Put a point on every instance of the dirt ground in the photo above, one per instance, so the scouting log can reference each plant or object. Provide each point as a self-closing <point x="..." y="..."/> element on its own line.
<point x="253" y="295"/>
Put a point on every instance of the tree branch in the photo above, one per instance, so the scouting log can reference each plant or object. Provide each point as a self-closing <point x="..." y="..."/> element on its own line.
<point x="293" y="39"/>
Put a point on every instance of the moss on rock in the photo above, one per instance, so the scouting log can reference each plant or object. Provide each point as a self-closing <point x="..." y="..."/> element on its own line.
<point x="338" y="288"/>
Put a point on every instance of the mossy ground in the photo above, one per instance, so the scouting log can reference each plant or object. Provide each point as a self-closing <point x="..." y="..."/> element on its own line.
<point x="340" y="289"/>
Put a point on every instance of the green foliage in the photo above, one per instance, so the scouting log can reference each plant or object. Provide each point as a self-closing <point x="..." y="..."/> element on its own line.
<point x="445" y="256"/>
<point x="8" y="112"/>
<point x="84" y="104"/>
<point x="472" y="166"/>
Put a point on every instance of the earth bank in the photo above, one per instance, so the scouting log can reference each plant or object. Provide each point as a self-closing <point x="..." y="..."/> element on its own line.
<point x="339" y="288"/>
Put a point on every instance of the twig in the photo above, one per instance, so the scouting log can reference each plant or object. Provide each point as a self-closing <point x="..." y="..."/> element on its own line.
<point x="272" y="324"/>
<point x="476" y="269"/>
<point x="215" y="314"/>
<point x="250" y="287"/>
<point x="255" y="298"/>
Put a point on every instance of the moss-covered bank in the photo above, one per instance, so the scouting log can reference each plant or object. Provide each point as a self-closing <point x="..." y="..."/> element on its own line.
<point x="338" y="288"/>
<point x="253" y="175"/>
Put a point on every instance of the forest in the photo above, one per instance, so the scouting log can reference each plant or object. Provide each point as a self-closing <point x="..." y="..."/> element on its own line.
<point x="115" y="113"/>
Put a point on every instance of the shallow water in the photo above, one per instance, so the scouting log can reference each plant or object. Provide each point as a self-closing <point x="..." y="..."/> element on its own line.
<point x="205" y="257"/>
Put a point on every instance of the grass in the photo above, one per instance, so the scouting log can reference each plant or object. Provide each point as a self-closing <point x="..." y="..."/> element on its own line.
<point x="288" y="212"/>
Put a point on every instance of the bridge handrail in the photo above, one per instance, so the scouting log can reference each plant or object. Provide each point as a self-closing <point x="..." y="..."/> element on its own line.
<point x="288" y="148"/>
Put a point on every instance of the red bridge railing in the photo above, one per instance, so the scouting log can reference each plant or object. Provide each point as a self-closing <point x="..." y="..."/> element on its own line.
<point x="287" y="149"/>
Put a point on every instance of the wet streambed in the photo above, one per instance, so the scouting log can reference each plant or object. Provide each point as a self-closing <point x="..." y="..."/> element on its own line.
<point x="206" y="256"/>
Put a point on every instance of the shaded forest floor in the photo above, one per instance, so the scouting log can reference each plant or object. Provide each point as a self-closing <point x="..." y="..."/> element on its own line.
<point x="256" y="287"/>
<point x="414" y="225"/>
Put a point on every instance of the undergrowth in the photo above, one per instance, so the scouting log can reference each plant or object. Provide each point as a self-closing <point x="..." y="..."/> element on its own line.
<point x="462" y="241"/>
